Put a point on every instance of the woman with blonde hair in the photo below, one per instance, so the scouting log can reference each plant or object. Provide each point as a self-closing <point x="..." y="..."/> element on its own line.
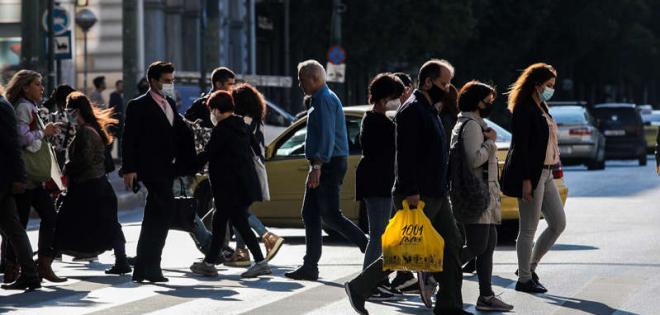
<point x="527" y="173"/>
<point x="87" y="222"/>
<point x="25" y="93"/>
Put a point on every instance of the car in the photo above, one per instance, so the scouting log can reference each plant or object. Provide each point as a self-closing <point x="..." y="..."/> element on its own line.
<point x="580" y="142"/>
<point x="622" y="125"/>
<point x="287" y="171"/>
<point x="568" y="103"/>
<point x="651" y="125"/>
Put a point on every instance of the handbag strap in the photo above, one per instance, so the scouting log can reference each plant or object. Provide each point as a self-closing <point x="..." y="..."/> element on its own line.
<point x="484" y="167"/>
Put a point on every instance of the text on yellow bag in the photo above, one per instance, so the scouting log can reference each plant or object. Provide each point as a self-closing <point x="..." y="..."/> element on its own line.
<point x="411" y="243"/>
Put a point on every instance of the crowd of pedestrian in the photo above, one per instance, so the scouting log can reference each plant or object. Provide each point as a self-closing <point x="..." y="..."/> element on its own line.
<point x="408" y="140"/>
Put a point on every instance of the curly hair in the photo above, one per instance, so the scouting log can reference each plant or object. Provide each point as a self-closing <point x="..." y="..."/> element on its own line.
<point x="249" y="102"/>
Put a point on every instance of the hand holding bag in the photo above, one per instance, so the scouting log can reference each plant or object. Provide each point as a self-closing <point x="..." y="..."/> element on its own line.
<point x="411" y="243"/>
<point x="185" y="209"/>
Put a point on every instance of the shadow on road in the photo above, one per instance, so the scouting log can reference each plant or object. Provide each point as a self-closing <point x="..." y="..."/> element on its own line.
<point x="560" y="247"/>
<point x="587" y="306"/>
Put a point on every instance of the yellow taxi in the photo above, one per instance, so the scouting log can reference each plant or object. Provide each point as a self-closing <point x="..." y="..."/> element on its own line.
<point x="287" y="171"/>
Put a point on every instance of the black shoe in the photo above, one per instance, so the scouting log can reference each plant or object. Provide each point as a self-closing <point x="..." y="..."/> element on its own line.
<point x="403" y="281"/>
<point x="535" y="277"/>
<point x="380" y="296"/>
<point x="357" y="302"/>
<point x="24" y="283"/>
<point x="303" y="273"/>
<point x="149" y="277"/>
<point x="530" y="286"/>
<point x="121" y="267"/>
<point x="457" y="312"/>
<point x="470" y="266"/>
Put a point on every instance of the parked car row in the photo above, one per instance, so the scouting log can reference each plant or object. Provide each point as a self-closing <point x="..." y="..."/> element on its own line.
<point x="605" y="132"/>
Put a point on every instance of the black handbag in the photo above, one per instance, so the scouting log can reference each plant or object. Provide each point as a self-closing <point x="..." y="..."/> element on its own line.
<point x="468" y="193"/>
<point x="185" y="209"/>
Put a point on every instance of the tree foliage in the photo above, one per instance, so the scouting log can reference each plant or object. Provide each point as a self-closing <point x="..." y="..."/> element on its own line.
<point x="604" y="50"/>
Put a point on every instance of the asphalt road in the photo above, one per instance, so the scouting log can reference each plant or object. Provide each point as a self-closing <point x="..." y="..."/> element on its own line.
<point x="606" y="262"/>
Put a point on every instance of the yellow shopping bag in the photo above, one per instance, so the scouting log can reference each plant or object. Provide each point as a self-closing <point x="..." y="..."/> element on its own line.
<point x="411" y="243"/>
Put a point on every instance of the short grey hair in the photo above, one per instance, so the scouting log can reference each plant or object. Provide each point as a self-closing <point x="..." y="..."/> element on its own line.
<point x="311" y="68"/>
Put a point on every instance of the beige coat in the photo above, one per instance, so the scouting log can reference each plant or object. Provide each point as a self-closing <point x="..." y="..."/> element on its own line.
<point x="478" y="152"/>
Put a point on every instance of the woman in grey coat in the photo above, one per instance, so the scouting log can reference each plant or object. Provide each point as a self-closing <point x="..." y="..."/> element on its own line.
<point x="475" y="101"/>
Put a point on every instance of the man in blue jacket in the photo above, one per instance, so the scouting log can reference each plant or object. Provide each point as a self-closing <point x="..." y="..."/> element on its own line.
<point x="326" y="149"/>
<point x="421" y="174"/>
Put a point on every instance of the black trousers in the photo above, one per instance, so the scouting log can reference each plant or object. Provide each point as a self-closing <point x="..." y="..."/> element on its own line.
<point x="157" y="216"/>
<point x="449" y="299"/>
<point x="239" y="219"/>
<point x="14" y="233"/>
<point x="40" y="200"/>
<point x="480" y="240"/>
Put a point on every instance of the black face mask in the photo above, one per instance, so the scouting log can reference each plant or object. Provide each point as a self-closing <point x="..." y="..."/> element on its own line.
<point x="485" y="112"/>
<point x="436" y="93"/>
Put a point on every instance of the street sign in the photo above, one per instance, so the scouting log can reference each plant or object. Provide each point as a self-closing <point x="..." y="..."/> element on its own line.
<point x="336" y="55"/>
<point x="335" y="73"/>
<point x="61" y="21"/>
<point x="63" y="46"/>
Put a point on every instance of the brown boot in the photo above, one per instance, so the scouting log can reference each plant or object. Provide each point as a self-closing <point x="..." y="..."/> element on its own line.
<point x="273" y="244"/>
<point x="12" y="271"/>
<point x="45" y="270"/>
<point x="241" y="258"/>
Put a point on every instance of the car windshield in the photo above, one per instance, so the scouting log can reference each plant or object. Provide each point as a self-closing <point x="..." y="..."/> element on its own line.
<point x="502" y="134"/>
<point x="619" y="115"/>
<point x="568" y="117"/>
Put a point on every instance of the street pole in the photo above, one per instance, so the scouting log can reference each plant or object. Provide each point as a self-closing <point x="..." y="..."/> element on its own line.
<point x="85" y="19"/>
<point x="202" y="40"/>
<point x="130" y="49"/>
<point x="337" y="10"/>
<point x="287" y="53"/>
<point x="51" y="48"/>
<point x="85" y="63"/>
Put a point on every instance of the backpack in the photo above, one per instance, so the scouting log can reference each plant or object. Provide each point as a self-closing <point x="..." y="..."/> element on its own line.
<point x="468" y="193"/>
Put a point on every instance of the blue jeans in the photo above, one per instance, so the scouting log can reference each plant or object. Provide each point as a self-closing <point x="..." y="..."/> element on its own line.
<point x="379" y="210"/>
<point x="201" y="235"/>
<point x="255" y="224"/>
<point x="321" y="205"/>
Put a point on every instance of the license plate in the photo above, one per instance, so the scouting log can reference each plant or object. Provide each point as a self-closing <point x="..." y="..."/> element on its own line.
<point x="615" y="132"/>
<point x="565" y="150"/>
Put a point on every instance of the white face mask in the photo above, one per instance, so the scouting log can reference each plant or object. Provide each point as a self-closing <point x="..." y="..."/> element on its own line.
<point x="393" y="104"/>
<point x="168" y="89"/>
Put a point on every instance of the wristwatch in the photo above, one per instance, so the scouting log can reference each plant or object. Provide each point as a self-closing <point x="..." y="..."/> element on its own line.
<point x="316" y="166"/>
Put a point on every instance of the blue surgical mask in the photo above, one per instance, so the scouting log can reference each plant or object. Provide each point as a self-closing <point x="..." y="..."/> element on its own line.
<point x="70" y="117"/>
<point x="547" y="93"/>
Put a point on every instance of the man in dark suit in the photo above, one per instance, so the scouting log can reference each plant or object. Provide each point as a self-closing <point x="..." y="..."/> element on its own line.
<point x="155" y="152"/>
<point x="12" y="181"/>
